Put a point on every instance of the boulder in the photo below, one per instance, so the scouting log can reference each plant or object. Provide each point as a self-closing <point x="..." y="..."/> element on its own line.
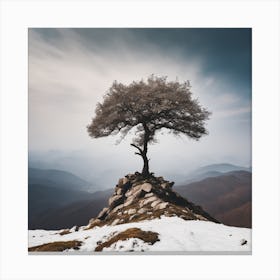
<point x="125" y="180"/>
<point x="148" y="195"/>
<point x="133" y="190"/>
<point x="147" y="187"/>
<point x="156" y="202"/>
<point x="93" y="223"/>
<point x="103" y="213"/>
<point x="165" y="185"/>
<point x="126" y="186"/>
<point x="115" y="200"/>
<point x="128" y="201"/>
<point x="115" y="222"/>
<point x="149" y="200"/>
<point x="161" y="206"/>
<point x="131" y="211"/>
<point x="119" y="207"/>
<point x="120" y="183"/>
<point x="119" y="191"/>
<point x="74" y="228"/>
<point x="142" y="210"/>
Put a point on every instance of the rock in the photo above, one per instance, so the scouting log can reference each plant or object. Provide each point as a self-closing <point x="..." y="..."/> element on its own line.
<point x="149" y="200"/>
<point x="115" y="200"/>
<point x="102" y="214"/>
<point x="161" y="206"/>
<point x="243" y="242"/>
<point x="165" y="185"/>
<point x="160" y="179"/>
<point x="74" y="228"/>
<point x="115" y="222"/>
<point x="131" y="217"/>
<point x="133" y="190"/>
<point x="119" y="191"/>
<point x="155" y="203"/>
<point x="93" y="223"/>
<point x="125" y="180"/>
<point x="131" y="211"/>
<point x="118" y="208"/>
<point x="139" y="193"/>
<point x="148" y="195"/>
<point x="126" y="187"/>
<point x="142" y="210"/>
<point x="129" y="201"/>
<point x="147" y="187"/>
<point x="120" y="183"/>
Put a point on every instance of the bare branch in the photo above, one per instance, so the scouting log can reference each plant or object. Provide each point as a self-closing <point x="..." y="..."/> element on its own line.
<point x="139" y="149"/>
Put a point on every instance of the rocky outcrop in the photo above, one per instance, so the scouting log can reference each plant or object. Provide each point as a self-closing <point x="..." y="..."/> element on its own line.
<point x="137" y="198"/>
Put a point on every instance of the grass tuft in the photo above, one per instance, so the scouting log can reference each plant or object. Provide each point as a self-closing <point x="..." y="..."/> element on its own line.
<point x="56" y="246"/>
<point x="147" y="236"/>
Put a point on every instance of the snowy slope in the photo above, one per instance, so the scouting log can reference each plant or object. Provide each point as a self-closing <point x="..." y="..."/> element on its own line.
<point x="175" y="234"/>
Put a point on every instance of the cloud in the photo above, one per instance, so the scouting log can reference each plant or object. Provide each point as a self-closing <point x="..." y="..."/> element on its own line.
<point x="70" y="70"/>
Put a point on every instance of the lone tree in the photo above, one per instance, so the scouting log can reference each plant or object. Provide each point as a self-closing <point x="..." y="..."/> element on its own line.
<point x="149" y="106"/>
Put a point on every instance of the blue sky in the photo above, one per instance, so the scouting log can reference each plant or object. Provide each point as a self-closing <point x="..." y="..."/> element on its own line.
<point x="71" y="69"/>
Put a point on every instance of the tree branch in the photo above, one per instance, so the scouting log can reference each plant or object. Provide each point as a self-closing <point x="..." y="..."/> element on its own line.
<point x="139" y="149"/>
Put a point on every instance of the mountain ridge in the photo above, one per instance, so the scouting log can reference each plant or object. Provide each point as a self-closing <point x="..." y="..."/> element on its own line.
<point x="221" y="194"/>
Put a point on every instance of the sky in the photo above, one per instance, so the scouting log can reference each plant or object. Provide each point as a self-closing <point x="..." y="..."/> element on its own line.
<point x="70" y="70"/>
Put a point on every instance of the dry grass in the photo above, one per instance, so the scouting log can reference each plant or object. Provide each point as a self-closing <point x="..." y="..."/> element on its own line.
<point x="66" y="231"/>
<point x="147" y="236"/>
<point x="56" y="246"/>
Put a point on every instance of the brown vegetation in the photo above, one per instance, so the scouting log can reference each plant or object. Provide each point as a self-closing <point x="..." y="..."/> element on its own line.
<point x="58" y="246"/>
<point x="147" y="236"/>
<point x="65" y="231"/>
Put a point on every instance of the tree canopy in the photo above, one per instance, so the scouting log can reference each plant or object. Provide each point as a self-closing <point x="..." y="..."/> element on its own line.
<point x="149" y="106"/>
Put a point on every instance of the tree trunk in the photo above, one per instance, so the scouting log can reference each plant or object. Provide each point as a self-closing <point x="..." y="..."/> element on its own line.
<point x="143" y="152"/>
<point x="145" y="170"/>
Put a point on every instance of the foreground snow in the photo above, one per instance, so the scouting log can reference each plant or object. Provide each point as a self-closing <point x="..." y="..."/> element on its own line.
<point x="175" y="234"/>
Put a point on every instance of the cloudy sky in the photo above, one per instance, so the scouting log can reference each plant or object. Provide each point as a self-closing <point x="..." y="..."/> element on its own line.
<point x="71" y="69"/>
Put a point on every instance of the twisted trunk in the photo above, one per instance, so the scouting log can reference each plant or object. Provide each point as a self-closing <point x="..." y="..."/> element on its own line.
<point x="145" y="170"/>
<point x="143" y="152"/>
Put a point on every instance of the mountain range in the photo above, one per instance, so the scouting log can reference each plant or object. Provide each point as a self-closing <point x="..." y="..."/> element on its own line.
<point x="227" y="197"/>
<point x="54" y="205"/>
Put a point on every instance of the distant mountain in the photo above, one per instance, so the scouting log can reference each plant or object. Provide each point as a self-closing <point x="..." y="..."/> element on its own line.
<point x="57" y="178"/>
<point x="72" y="213"/>
<point x="213" y="170"/>
<point x="50" y="189"/>
<point x="226" y="197"/>
<point x="42" y="199"/>
<point x="221" y="167"/>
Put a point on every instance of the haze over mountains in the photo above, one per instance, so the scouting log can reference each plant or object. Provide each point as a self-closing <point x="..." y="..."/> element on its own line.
<point x="59" y="199"/>
<point x="226" y="197"/>
<point x="50" y="190"/>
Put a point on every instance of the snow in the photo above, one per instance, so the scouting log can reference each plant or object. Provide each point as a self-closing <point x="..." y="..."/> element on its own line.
<point x="175" y="234"/>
